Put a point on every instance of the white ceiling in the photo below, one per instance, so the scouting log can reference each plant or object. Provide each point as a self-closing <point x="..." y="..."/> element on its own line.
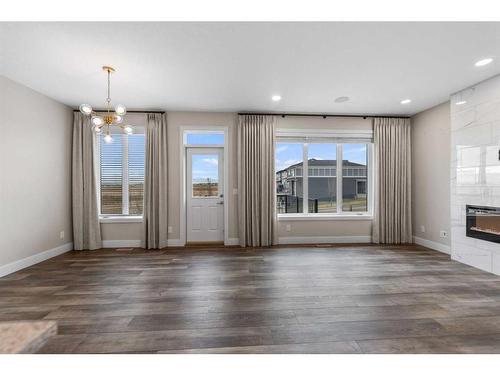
<point x="239" y="66"/>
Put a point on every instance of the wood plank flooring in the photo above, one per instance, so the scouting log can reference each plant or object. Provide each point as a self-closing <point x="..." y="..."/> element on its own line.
<point x="329" y="299"/>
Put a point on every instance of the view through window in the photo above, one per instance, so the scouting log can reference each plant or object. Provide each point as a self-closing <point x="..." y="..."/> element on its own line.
<point x="122" y="174"/>
<point x="354" y="177"/>
<point x="205" y="175"/>
<point x="315" y="191"/>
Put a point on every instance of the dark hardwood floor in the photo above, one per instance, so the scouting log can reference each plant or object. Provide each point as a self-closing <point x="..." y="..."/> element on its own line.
<point x="342" y="299"/>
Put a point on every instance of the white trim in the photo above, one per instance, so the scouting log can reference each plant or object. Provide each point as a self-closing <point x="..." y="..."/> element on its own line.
<point x="432" y="245"/>
<point x="175" y="243"/>
<point x="137" y="243"/>
<point x="327" y="217"/>
<point x="338" y="178"/>
<point x="120" y="219"/>
<point x="182" y="159"/>
<point x="370" y="181"/>
<point x="323" y="240"/>
<point x="305" y="178"/>
<point x="106" y="244"/>
<point x="34" y="259"/>
<point x="232" y="242"/>
<point x="125" y="178"/>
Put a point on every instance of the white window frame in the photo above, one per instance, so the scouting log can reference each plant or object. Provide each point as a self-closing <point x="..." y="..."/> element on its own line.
<point x="338" y="137"/>
<point x="125" y="217"/>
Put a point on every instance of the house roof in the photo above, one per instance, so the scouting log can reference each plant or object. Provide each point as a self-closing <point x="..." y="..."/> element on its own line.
<point x="324" y="163"/>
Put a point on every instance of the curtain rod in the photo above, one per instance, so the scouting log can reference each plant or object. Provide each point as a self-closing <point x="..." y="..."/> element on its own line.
<point x="105" y="110"/>
<point x="316" y="115"/>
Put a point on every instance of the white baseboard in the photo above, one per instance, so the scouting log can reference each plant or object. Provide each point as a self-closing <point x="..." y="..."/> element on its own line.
<point x="136" y="243"/>
<point x="432" y="245"/>
<point x="121" y="243"/>
<point x="324" y="239"/>
<point x="232" y="242"/>
<point x="34" y="259"/>
<point x="177" y="242"/>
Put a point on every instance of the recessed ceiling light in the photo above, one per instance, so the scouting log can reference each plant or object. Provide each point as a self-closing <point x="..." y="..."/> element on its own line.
<point x="405" y="101"/>
<point x="484" y="62"/>
<point x="276" y="98"/>
<point x="461" y="102"/>
<point x="341" y="99"/>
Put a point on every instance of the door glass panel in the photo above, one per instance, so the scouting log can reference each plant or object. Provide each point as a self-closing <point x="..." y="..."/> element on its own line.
<point x="205" y="175"/>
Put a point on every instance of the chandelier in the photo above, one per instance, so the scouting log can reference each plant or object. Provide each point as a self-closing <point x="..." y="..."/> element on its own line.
<point x="110" y="118"/>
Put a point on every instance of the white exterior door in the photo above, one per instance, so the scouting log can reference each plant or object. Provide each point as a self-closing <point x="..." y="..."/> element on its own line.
<point x="205" y="194"/>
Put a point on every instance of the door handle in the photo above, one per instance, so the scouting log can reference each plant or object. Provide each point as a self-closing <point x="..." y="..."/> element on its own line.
<point x="220" y="202"/>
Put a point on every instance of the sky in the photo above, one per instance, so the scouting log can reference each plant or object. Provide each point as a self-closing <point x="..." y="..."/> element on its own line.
<point x="291" y="153"/>
<point x="205" y="166"/>
<point x="205" y="139"/>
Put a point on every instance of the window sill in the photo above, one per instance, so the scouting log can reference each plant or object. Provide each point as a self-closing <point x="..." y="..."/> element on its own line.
<point x="329" y="217"/>
<point x="120" y="219"/>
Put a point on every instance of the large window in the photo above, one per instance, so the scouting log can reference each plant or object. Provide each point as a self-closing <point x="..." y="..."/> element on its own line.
<point x="322" y="177"/>
<point x="122" y="174"/>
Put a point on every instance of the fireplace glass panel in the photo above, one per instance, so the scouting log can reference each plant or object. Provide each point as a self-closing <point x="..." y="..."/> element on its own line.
<point x="483" y="223"/>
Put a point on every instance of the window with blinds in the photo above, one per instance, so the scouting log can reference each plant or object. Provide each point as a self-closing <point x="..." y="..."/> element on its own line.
<point x="122" y="174"/>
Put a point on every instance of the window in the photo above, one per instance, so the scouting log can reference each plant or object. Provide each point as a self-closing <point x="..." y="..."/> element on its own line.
<point x="354" y="182"/>
<point x="122" y="174"/>
<point x="326" y="187"/>
<point x="201" y="138"/>
<point x="289" y="187"/>
<point x="205" y="175"/>
<point x="322" y="190"/>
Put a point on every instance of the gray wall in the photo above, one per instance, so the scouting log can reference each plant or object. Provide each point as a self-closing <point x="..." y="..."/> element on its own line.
<point x="35" y="172"/>
<point x="298" y="228"/>
<point x="431" y="173"/>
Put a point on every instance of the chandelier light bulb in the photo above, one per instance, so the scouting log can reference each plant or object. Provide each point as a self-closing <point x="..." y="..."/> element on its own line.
<point x="86" y="109"/>
<point x="97" y="121"/>
<point x="120" y="110"/>
<point x="102" y="124"/>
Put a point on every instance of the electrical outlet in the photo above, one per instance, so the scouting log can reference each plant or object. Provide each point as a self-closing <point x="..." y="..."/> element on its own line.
<point x="235" y="191"/>
<point x="288" y="227"/>
<point x="170" y="229"/>
<point x="422" y="229"/>
<point x="61" y="235"/>
<point x="443" y="234"/>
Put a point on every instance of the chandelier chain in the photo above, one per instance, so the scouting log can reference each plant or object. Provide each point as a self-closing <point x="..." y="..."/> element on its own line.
<point x="109" y="90"/>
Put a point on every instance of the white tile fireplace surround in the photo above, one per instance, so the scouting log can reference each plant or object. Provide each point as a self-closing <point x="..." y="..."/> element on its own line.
<point x="475" y="169"/>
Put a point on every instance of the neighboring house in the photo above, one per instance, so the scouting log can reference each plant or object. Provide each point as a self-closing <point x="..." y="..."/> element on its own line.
<point x="322" y="181"/>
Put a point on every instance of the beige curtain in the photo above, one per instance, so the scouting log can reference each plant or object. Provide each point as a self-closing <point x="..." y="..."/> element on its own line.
<point x="86" y="228"/>
<point x="155" y="182"/>
<point x="256" y="180"/>
<point x="392" y="216"/>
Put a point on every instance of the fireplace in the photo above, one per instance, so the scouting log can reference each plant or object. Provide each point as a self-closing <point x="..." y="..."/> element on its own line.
<point x="483" y="222"/>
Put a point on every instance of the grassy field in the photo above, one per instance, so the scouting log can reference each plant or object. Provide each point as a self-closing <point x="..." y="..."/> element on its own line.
<point x="111" y="199"/>
<point x="205" y="189"/>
